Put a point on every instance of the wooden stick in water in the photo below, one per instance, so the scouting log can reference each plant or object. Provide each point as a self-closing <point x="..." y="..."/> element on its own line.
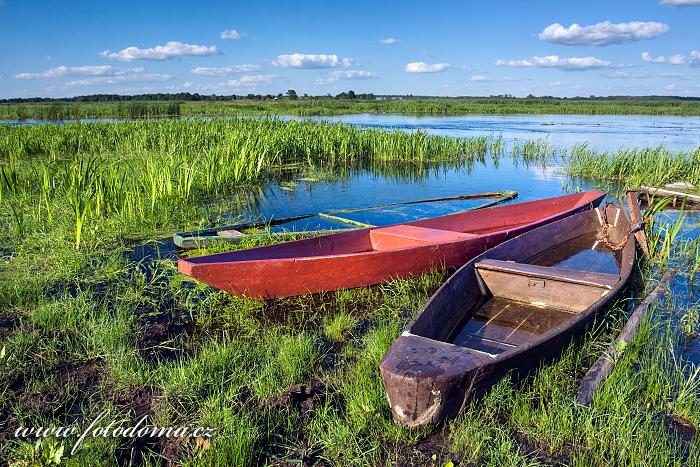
<point x="602" y="368"/>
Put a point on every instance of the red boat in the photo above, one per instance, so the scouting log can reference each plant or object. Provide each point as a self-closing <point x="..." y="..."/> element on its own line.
<point x="370" y="256"/>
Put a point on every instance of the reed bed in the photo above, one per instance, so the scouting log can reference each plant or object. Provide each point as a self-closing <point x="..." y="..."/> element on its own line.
<point x="450" y="106"/>
<point x="314" y="106"/>
<point x="130" y="171"/>
<point x="637" y="166"/>
<point x="76" y="111"/>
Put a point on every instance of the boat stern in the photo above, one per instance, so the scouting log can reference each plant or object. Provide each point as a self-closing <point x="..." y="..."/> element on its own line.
<point x="427" y="381"/>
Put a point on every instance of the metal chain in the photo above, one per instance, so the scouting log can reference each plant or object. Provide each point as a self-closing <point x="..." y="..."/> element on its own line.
<point x="604" y="238"/>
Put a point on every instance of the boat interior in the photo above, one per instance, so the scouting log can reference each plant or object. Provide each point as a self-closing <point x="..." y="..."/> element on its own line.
<point x="449" y="228"/>
<point x="522" y="289"/>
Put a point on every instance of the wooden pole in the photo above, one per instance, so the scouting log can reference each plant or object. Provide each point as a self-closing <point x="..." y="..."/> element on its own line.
<point x="636" y="215"/>
<point x="602" y="368"/>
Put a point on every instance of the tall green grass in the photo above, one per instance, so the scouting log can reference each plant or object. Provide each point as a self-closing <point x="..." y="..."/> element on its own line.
<point x="136" y="171"/>
<point x="638" y="166"/>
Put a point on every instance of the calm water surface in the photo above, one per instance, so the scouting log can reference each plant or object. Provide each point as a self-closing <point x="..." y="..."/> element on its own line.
<point x="607" y="132"/>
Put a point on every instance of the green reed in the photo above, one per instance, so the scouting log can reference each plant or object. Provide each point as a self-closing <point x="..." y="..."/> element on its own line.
<point x="138" y="171"/>
<point x="638" y="166"/>
<point x="64" y="308"/>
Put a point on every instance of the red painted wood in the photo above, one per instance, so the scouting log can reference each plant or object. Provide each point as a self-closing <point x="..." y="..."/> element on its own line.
<point x="370" y="256"/>
<point x="404" y="235"/>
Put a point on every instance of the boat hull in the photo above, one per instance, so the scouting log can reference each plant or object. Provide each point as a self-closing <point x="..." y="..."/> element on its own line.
<point x="370" y="256"/>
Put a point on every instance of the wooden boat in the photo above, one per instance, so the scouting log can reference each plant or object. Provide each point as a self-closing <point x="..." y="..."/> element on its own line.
<point x="508" y="309"/>
<point x="369" y="256"/>
<point x="236" y="232"/>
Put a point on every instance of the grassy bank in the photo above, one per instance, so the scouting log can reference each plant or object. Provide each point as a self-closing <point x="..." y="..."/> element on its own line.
<point x="329" y="106"/>
<point x="83" y="328"/>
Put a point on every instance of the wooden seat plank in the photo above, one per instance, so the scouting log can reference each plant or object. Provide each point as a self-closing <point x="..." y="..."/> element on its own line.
<point x="574" y="276"/>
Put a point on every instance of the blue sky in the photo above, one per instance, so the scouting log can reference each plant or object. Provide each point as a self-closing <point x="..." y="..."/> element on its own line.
<point x="65" y="48"/>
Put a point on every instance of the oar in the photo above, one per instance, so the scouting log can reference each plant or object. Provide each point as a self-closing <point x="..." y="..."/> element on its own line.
<point x="233" y="232"/>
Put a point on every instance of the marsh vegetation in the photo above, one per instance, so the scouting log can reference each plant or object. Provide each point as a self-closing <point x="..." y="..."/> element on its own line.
<point x="196" y="105"/>
<point x="85" y="327"/>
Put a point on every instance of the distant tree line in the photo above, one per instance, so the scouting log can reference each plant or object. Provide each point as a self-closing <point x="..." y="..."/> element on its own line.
<point x="292" y="95"/>
<point x="180" y="97"/>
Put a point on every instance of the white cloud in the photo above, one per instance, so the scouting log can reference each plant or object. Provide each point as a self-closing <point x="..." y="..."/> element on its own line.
<point x="144" y="77"/>
<point x="555" y="61"/>
<point x="673" y="75"/>
<point x="670" y="59"/>
<point x="389" y="41"/>
<point x="88" y="70"/>
<point x="250" y="81"/>
<point x="670" y="87"/>
<point x="231" y="34"/>
<point x="616" y="74"/>
<point x="695" y="58"/>
<point x="97" y="74"/>
<point x="555" y="83"/>
<point x="224" y="71"/>
<point x="692" y="59"/>
<point x="168" y="51"/>
<point x="207" y="87"/>
<point x="681" y="2"/>
<point x="297" y="60"/>
<point x="605" y="33"/>
<point x="346" y="74"/>
<point x="422" y="67"/>
<point x="478" y="78"/>
<point x="353" y="74"/>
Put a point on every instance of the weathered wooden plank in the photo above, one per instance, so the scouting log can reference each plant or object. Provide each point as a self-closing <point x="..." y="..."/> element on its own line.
<point x="666" y="192"/>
